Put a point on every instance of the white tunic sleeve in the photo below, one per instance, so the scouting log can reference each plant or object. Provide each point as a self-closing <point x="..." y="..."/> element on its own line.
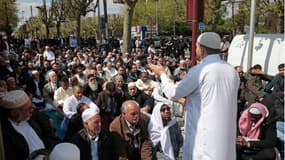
<point x="181" y="89"/>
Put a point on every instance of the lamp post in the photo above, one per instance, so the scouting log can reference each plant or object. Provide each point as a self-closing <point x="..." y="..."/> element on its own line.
<point x="251" y="33"/>
<point x="156" y="18"/>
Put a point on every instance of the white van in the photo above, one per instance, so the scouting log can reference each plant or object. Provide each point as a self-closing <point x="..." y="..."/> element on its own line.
<point x="268" y="51"/>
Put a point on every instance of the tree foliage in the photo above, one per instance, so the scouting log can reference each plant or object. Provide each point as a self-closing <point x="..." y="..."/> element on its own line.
<point x="214" y="15"/>
<point x="269" y="15"/>
<point x="59" y="7"/>
<point x="8" y="16"/>
<point x="170" y="16"/>
<point x="77" y="9"/>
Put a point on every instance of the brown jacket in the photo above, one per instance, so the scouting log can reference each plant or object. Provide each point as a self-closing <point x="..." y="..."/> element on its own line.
<point x="124" y="140"/>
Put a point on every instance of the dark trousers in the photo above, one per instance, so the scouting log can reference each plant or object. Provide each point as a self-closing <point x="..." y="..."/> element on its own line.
<point x="263" y="154"/>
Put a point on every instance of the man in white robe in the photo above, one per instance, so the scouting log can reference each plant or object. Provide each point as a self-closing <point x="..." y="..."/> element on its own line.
<point x="211" y="90"/>
<point x="70" y="104"/>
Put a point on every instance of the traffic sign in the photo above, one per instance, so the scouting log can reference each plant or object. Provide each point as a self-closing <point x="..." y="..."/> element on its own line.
<point x="201" y="26"/>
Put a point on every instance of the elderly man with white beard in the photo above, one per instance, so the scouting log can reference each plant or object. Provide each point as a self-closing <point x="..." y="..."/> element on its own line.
<point x="91" y="89"/>
<point x="25" y="130"/>
<point x="50" y="87"/>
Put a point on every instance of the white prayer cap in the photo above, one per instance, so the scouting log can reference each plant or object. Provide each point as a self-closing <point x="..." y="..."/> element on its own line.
<point x="254" y="111"/>
<point x="89" y="113"/>
<point x="50" y="73"/>
<point x="10" y="78"/>
<point x="131" y="84"/>
<point x="210" y="40"/>
<point x="14" y="99"/>
<point x="35" y="71"/>
<point x="65" y="151"/>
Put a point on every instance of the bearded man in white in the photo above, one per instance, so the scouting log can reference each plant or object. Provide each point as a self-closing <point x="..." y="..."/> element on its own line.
<point x="210" y="89"/>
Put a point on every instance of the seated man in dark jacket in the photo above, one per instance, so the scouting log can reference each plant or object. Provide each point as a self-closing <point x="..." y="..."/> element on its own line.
<point x="130" y="135"/>
<point x="145" y="101"/>
<point x="93" y="142"/>
<point x="257" y="134"/>
<point x="24" y="130"/>
<point x="109" y="102"/>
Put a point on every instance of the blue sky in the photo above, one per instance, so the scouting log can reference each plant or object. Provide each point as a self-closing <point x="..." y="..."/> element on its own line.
<point x="24" y="11"/>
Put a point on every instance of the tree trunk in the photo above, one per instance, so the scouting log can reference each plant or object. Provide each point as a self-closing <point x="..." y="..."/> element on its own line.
<point x="105" y="18"/>
<point x="58" y="24"/>
<point x="78" y="26"/>
<point x="128" y="11"/>
<point x="280" y="26"/>
<point x="47" y="30"/>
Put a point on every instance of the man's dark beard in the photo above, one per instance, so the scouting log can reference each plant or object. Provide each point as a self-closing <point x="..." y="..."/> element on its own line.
<point x="165" y="121"/>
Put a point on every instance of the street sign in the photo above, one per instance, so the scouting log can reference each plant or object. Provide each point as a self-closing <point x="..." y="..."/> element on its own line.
<point x="201" y="26"/>
<point x="143" y="28"/>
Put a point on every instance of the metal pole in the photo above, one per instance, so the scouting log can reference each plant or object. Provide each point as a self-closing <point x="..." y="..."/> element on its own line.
<point x="99" y="24"/>
<point x="156" y="19"/>
<point x="233" y="16"/>
<point x="251" y="33"/>
<point x="194" y="32"/>
<point x="31" y="11"/>
<point x="145" y="18"/>
<point x="106" y="18"/>
<point x="23" y="18"/>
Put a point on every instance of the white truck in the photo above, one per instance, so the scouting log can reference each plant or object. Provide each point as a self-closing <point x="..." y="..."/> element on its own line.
<point x="268" y="51"/>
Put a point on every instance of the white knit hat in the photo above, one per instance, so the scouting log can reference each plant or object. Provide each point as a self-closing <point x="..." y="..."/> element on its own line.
<point x="14" y="99"/>
<point x="131" y="84"/>
<point x="254" y="111"/>
<point x="210" y="40"/>
<point x="35" y="71"/>
<point x="65" y="151"/>
<point x="89" y="113"/>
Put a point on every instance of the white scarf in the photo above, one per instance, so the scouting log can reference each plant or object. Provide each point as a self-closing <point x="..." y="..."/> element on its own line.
<point x="159" y="133"/>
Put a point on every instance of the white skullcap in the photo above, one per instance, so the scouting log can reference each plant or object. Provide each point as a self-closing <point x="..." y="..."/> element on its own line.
<point x="35" y="71"/>
<point x="50" y="73"/>
<point x="14" y="99"/>
<point x="210" y="40"/>
<point x="89" y="113"/>
<point x="132" y="84"/>
<point x="254" y="111"/>
<point x="10" y="78"/>
<point x="65" y="151"/>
